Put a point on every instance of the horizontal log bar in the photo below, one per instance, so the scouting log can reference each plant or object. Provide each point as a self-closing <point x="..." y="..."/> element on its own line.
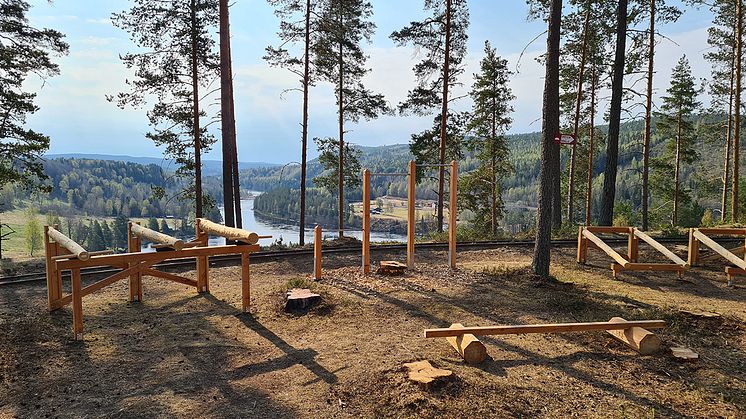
<point x="135" y="257"/>
<point x="68" y="244"/>
<point x="543" y="328"/>
<point x="605" y="247"/>
<point x="609" y="230"/>
<point x="169" y="277"/>
<point x="389" y="174"/>
<point x="230" y="233"/>
<point x="72" y="256"/>
<point x="719" y="249"/>
<point x="156" y="237"/>
<point x="640" y="266"/>
<point x="659" y="247"/>
<point x="723" y="231"/>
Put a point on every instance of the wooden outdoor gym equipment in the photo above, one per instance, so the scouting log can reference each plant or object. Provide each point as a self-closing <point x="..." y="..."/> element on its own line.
<point x="587" y="236"/>
<point x="135" y="264"/>
<point x="631" y="333"/>
<point x="701" y="235"/>
<point x="411" y="221"/>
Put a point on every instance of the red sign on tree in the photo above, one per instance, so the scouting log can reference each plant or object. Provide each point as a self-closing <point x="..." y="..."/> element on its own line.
<point x="565" y="139"/>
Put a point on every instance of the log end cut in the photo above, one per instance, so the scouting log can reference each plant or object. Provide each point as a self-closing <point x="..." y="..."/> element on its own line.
<point x="641" y="340"/>
<point x="468" y="346"/>
<point x="423" y="373"/>
<point x="301" y="299"/>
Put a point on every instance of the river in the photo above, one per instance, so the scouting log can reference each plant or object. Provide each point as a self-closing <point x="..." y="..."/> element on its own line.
<point x="290" y="233"/>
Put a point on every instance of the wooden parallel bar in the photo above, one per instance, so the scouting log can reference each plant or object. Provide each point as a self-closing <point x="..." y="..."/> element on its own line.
<point x="169" y="277"/>
<point x="719" y="249"/>
<point x="543" y="328"/>
<point x="723" y="231"/>
<point x="68" y="244"/>
<point x="244" y="236"/>
<point x="608" y="230"/>
<point x="659" y="247"/>
<point x="124" y="258"/>
<point x="156" y="237"/>
<point x="605" y="247"/>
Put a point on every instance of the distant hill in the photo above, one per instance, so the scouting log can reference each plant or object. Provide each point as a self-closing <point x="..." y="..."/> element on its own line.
<point x="210" y="167"/>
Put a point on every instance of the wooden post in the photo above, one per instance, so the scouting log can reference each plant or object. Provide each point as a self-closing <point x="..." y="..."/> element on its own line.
<point x="411" y="222"/>
<point x="453" y="215"/>
<point x="202" y="261"/>
<point x="317" y="243"/>
<point x="633" y="244"/>
<point x="133" y="245"/>
<point x="51" y="270"/>
<point x="643" y="341"/>
<point x="468" y="346"/>
<point x="77" y="297"/>
<point x="366" y="221"/>
<point x="582" y="249"/>
<point x="245" y="282"/>
<point x="693" y="249"/>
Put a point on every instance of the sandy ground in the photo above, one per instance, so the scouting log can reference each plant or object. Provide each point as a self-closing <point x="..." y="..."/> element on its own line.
<point x="180" y="354"/>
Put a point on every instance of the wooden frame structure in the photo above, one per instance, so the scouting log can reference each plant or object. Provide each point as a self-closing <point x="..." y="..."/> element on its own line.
<point x="411" y="221"/>
<point x="699" y="236"/>
<point x="136" y="264"/>
<point x="587" y="237"/>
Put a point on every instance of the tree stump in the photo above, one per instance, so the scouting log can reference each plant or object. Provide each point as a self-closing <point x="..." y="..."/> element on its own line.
<point x="300" y="299"/>
<point x="391" y="268"/>
<point x="425" y="374"/>
<point x="684" y="354"/>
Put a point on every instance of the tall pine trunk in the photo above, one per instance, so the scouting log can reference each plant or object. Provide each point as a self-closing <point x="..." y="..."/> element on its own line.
<point x="550" y="126"/>
<point x="726" y="159"/>
<point x="195" y="109"/>
<point x="608" y="194"/>
<point x="304" y="140"/>
<point x="444" y="119"/>
<point x="578" y="102"/>
<point x="737" y="109"/>
<point x="676" y="176"/>
<point x="591" y="138"/>
<point x="648" y="119"/>
<point x="341" y="125"/>
<point x="225" y="110"/>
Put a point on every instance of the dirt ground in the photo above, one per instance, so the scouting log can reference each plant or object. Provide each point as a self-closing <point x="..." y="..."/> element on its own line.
<point x="180" y="354"/>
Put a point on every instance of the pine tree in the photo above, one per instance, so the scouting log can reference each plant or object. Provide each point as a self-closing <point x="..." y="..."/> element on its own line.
<point x="340" y="60"/>
<point x="24" y="50"/>
<point x="329" y="160"/>
<point x="442" y="37"/>
<point x="96" y="239"/>
<point x="481" y="190"/>
<point x="177" y="59"/>
<point x="675" y="123"/>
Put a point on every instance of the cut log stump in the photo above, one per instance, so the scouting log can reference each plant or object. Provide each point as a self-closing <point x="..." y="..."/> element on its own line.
<point x="423" y="373"/>
<point x="300" y="299"/>
<point x="683" y="354"/>
<point x="642" y="340"/>
<point x="391" y="268"/>
<point x="468" y="346"/>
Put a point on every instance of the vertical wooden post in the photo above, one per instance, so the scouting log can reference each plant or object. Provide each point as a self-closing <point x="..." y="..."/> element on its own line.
<point x="366" y="221"/>
<point x="633" y="244"/>
<point x="411" y="222"/>
<point x="133" y="245"/>
<point x="245" y="282"/>
<point x="77" y="297"/>
<point x="581" y="246"/>
<point x="57" y="273"/>
<point x="52" y="291"/>
<point x="317" y="243"/>
<point x="453" y="215"/>
<point x="202" y="261"/>
<point x="693" y="249"/>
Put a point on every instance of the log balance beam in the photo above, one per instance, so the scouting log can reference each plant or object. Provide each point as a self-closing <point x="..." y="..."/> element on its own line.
<point x="587" y="236"/>
<point x="631" y="333"/>
<point x="62" y="253"/>
<point x="699" y="236"/>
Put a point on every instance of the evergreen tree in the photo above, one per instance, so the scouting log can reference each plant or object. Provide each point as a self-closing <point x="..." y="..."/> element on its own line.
<point x="119" y="232"/>
<point x="340" y="60"/>
<point x="329" y="160"/>
<point x="24" y="50"/>
<point x="106" y="234"/>
<point x="481" y="190"/>
<point x="675" y="123"/>
<point x="153" y="224"/>
<point x="96" y="239"/>
<point x="442" y="37"/>
<point x="425" y="146"/>
<point x="176" y="58"/>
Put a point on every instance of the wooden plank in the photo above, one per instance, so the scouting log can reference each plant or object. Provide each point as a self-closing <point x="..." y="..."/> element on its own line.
<point x="216" y="229"/>
<point x="605" y="247"/>
<point x="663" y="267"/>
<point x="608" y="230"/>
<point x="736" y="251"/>
<point x="453" y="215"/>
<point x="717" y="231"/>
<point x="719" y="249"/>
<point x="72" y="256"/>
<point x="468" y="346"/>
<point x="169" y="277"/>
<point x="77" y="299"/>
<point x="543" y="328"/>
<point x="156" y="237"/>
<point x="411" y="221"/>
<point x="317" y="255"/>
<point x="659" y="247"/>
<point x="641" y="340"/>
<point x="68" y="244"/>
<point x="366" y="221"/>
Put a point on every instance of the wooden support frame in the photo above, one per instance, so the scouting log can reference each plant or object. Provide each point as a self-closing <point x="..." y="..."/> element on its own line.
<point x="701" y="236"/>
<point x="587" y="237"/>
<point x="135" y="265"/>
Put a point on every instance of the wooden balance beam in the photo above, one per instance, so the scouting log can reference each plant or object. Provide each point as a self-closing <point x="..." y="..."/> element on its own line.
<point x="156" y="237"/>
<point x="230" y="233"/>
<point x="697" y="236"/>
<point x="77" y="251"/>
<point x="631" y="333"/>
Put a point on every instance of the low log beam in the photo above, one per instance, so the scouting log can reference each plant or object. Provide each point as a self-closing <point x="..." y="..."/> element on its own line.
<point x="468" y="346"/>
<point x="230" y="233"/>
<point x="543" y="328"/>
<point x="68" y="244"/>
<point x="156" y="237"/>
<point x="641" y="340"/>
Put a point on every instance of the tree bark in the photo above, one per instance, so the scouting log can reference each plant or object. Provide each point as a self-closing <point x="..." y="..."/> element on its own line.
<point x="341" y="125"/>
<point x="225" y="105"/>
<point x="737" y="109"/>
<point x="608" y="195"/>
<point x="304" y="139"/>
<point x="444" y="118"/>
<point x="591" y="138"/>
<point x="196" y="125"/>
<point x="550" y="126"/>
<point x="648" y="119"/>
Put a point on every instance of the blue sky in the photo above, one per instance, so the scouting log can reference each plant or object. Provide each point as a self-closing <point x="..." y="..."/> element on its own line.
<point x="76" y="115"/>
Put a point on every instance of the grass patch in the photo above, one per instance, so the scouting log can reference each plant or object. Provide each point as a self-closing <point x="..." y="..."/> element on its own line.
<point x="299" y="283"/>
